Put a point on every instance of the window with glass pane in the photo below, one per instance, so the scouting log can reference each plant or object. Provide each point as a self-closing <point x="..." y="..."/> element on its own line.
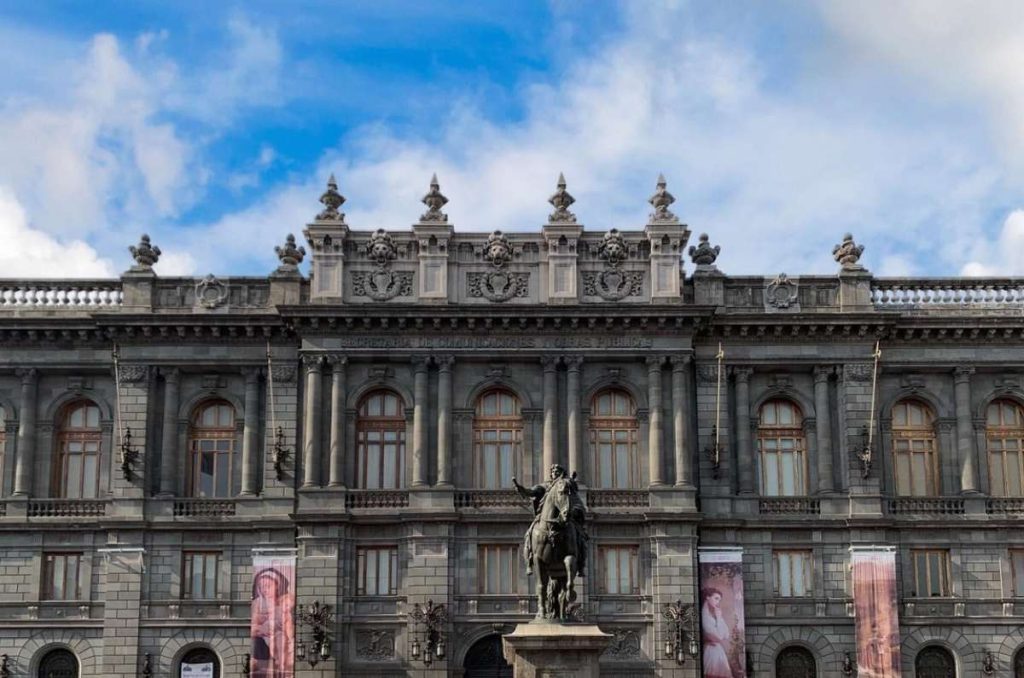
<point x="931" y="573"/>
<point x="1017" y="566"/>
<point x="619" y="575"/>
<point x="78" y="466"/>
<point x="497" y="437"/>
<point x="380" y="441"/>
<point x="378" y="571"/>
<point x="211" y="448"/>
<point x="498" y="569"/>
<point x="781" y="447"/>
<point x="613" y="439"/>
<point x="1004" y="432"/>
<point x="913" y="448"/>
<point x="199" y="575"/>
<point x="62" y="576"/>
<point x="793" y="573"/>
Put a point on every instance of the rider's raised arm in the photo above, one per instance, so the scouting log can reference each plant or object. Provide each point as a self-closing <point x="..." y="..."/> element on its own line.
<point x="535" y="491"/>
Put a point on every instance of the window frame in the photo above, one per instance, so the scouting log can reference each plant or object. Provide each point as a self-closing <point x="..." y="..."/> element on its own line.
<point x="926" y="437"/>
<point x="807" y="557"/>
<point x="1016" y="579"/>
<point x="188" y="570"/>
<point x="90" y="440"/>
<point x="362" y="562"/>
<point x="945" y="572"/>
<point x="381" y="425"/>
<point x="614" y="424"/>
<point x="47" y="591"/>
<point x="776" y="434"/>
<point x="508" y="570"/>
<point x="632" y="551"/>
<point x="499" y="424"/>
<point x="1004" y="434"/>
<point x="198" y="434"/>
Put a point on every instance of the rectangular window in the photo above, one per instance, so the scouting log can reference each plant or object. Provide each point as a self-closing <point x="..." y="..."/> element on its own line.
<point x="619" y="570"/>
<point x="496" y="453"/>
<point x="199" y="575"/>
<point x="210" y="471"/>
<point x="615" y="450"/>
<point x="62" y="576"/>
<point x="793" y="573"/>
<point x="1017" y="565"/>
<point x="378" y="571"/>
<point x="931" y="573"/>
<point x="498" y="569"/>
<point x="916" y="475"/>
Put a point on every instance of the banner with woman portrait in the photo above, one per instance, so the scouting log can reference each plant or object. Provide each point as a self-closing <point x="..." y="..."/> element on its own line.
<point x="722" y="622"/>
<point x="272" y="630"/>
<point x="875" y="613"/>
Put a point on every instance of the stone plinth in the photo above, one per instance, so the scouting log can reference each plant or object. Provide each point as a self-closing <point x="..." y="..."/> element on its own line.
<point x="539" y="650"/>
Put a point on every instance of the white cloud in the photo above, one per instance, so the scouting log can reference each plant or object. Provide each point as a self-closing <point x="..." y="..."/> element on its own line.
<point x="1003" y="257"/>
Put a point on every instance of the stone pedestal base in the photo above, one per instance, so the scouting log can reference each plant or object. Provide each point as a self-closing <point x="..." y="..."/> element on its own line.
<point x="539" y="650"/>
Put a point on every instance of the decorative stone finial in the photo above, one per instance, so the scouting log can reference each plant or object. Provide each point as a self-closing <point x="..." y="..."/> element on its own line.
<point x="145" y="254"/>
<point x="498" y="250"/>
<point x="434" y="200"/>
<point x="661" y="201"/>
<point x="613" y="248"/>
<point x="703" y="254"/>
<point x="290" y="255"/>
<point x="381" y="248"/>
<point x="561" y="200"/>
<point x="847" y="254"/>
<point x="331" y="200"/>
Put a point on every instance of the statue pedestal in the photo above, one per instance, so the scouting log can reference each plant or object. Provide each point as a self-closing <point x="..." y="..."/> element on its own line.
<point x="542" y="650"/>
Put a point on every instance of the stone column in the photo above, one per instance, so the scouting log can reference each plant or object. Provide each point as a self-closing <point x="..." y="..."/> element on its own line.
<point x="823" y="427"/>
<point x="169" y="438"/>
<point x="680" y="410"/>
<point x="550" y="435"/>
<point x="337" y="452"/>
<point x="250" y="432"/>
<point x="654" y="434"/>
<point x="419" y="422"/>
<point x="745" y="450"/>
<point x="26" y="432"/>
<point x="311" y="444"/>
<point x="965" y="430"/>
<point x="444" y="419"/>
<point x="572" y="394"/>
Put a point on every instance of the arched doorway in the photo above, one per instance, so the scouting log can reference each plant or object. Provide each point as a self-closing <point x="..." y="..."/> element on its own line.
<point x="934" y="662"/>
<point x="59" y="664"/>
<point x="1018" y="664"/>
<point x="200" y="661"/>
<point x="485" y="659"/>
<point x="795" y="662"/>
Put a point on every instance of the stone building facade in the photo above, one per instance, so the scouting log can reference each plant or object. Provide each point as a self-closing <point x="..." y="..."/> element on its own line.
<point x="369" y="418"/>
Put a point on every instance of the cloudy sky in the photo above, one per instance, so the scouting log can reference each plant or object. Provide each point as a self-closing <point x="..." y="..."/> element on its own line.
<point x="779" y="126"/>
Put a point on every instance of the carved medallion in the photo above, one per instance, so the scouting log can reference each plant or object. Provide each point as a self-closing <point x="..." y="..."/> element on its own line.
<point x="211" y="292"/>
<point x="613" y="284"/>
<point x="498" y="285"/>
<point x="375" y="646"/>
<point x="625" y="645"/>
<point x="781" y="293"/>
<point x="382" y="284"/>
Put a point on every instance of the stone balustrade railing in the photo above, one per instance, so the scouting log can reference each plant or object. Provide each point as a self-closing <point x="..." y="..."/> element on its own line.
<point x="64" y="294"/>
<point x="482" y="499"/>
<point x="618" y="499"/>
<point x="927" y="506"/>
<point x="1004" y="505"/>
<point x="66" y="508"/>
<point x="947" y="292"/>
<point x="203" y="508"/>
<point x="775" y="506"/>
<point x="376" y="499"/>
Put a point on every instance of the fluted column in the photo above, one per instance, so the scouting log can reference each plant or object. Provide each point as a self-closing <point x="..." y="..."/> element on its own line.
<point x="823" y="427"/>
<point x="26" y="432"/>
<point x="311" y="447"/>
<point x="419" y="422"/>
<point x="337" y="451"/>
<point x="250" y="431"/>
<point x="572" y="394"/>
<point x="444" y="419"/>
<point x="965" y="429"/>
<point x="169" y="439"/>
<point x="550" y="434"/>
<point x="745" y="450"/>
<point x="680" y="410"/>
<point x="655" y="455"/>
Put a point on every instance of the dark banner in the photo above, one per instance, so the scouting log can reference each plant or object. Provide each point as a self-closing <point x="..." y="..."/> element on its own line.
<point x="722" y="623"/>
<point x="273" y="617"/>
<point x="876" y="614"/>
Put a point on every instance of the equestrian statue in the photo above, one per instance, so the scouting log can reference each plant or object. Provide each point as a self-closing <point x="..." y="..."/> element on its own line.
<point x="555" y="546"/>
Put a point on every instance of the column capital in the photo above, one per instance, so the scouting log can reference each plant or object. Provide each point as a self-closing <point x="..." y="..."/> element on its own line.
<point x="742" y="374"/>
<point x="337" y="361"/>
<point x="313" y="363"/>
<point x="251" y="374"/>
<point x="444" y="362"/>
<point x="420" y="363"/>
<point x="654" y="363"/>
<point x="680" y="362"/>
<point x="27" y="374"/>
<point x="823" y="372"/>
<point x="573" y="362"/>
<point x="172" y="374"/>
<point x="550" y="363"/>
<point x="962" y="373"/>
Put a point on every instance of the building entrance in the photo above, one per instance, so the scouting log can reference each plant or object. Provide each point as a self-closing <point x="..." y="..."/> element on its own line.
<point x="485" y="660"/>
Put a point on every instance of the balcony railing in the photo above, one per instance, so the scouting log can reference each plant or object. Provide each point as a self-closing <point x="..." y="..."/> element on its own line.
<point x="926" y="506"/>
<point x="947" y="292"/>
<point x="1004" y="505"/>
<point x="485" y="499"/>
<point x="376" y="499"/>
<point x="60" y="294"/>
<point x="787" y="506"/>
<point x="203" y="508"/>
<point x="66" y="508"/>
<point x="618" y="499"/>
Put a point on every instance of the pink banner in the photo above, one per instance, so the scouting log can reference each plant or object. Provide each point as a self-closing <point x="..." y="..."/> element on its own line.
<point x="273" y="617"/>
<point x="722" y="622"/>
<point x="876" y="614"/>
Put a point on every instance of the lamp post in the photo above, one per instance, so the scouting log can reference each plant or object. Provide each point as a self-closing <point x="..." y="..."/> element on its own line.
<point x="246" y="664"/>
<point x="681" y="639"/>
<point x="280" y="454"/>
<point x="316" y="618"/>
<point x="434" y="617"/>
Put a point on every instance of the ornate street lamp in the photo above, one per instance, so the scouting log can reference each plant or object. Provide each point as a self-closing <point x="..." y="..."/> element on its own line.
<point x="246" y="664"/>
<point x="5" y="670"/>
<point x="849" y="667"/>
<point x="316" y="618"/>
<point x="681" y="638"/>
<point x="280" y="453"/>
<point x="433" y="617"/>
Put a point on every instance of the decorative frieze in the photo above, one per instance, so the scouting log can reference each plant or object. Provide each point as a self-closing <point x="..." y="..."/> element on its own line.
<point x="498" y="286"/>
<point x="624" y="646"/>
<point x="382" y="285"/>
<point x="375" y="645"/>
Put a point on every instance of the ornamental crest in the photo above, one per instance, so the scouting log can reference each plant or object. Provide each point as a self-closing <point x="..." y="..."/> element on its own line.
<point x="381" y="249"/>
<point x="625" y="644"/>
<point x="498" y="250"/>
<point x="211" y="292"/>
<point x="372" y="645"/>
<point x="781" y="293"/>
<point x="382" y="284"/>
<point x="613" y="283"/>
<point x="498" y="285"/>
<point x="613" y="248"/>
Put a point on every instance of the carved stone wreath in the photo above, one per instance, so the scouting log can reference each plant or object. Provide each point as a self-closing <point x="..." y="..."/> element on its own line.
<point x="625" y="645"/>
<point x="781" y="293"/>
<point x="498" y="285"/>
<point x="375" y="646"/>
<point x="382" y="284"/>
<point x="858" y="371"/>
<point x="613" y="284"/>
<point x="132" y="373"/>
<point x="211" y="292"/>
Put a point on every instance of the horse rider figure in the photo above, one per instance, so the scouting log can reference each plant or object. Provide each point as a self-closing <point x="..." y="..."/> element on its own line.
<point x="560" y="483"/>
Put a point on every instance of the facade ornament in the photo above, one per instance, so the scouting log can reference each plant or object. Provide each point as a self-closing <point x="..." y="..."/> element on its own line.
<point x="498" y="284"/>
<point x="561" y="200"/>
<point x="132" y="374"/>
<point x="381" y="249"/>
<point x="375" y="645"/>
<point x="145" y="254"/>
<point x="847" y="254"/>
<point x="613" y="284"/>
<point x="290" y="255"/>
<point x="498" y="250"/>
<point x="211" y="292"/>
<point x="331" y="200"/>
<point x="283" y="374"/>
<point x="381" y="284"/>
<point x="781" y="293"/>
<point x="434" y="200"/>
<point x="625" y="645"/>
<point x="703" y="254"/>
<point x="661" y="200"/>
<point x="613" y="248"/>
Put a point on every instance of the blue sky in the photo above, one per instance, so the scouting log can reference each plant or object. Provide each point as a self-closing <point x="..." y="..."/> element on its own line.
<point x="779" y="126"/>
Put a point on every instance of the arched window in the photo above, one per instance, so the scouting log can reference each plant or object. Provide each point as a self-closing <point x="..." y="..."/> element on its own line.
<point x="485" y="659"/>
<point x="1018" y="664"/>
<point x="200" y="661"/>
<point x="934" y="662"/>
<point x="497" y="439"/>
<point x="795" y="662"/>
<point x="613" y="439"/>
<point x="1004" y="433"/>
<point x="59" y="664"/>
<point x="913" y="449"/>
<point x="78" y="458"/>
<point x="782" y="449"/>
<point x="211" y="445"/>
<point x="380" y="441"/>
